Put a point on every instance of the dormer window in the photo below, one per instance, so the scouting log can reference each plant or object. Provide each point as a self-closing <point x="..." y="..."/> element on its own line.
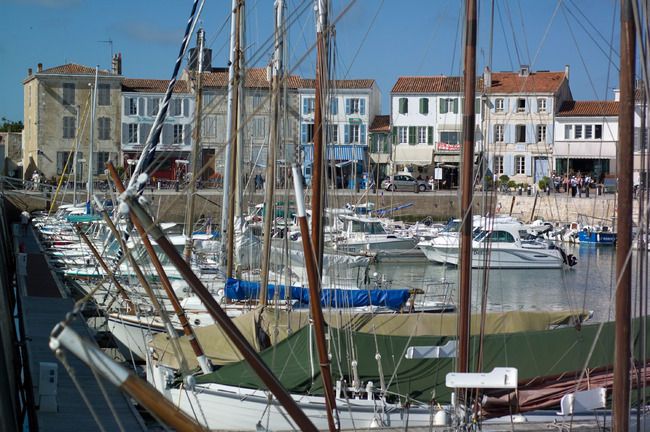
<point x="498" y="105"/>
<point x="524" y="70"/>
<point x="521" y="105"/>
<point x="541" y="105"/>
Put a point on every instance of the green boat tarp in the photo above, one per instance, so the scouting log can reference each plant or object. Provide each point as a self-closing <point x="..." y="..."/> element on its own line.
<point x="535" y="354"/>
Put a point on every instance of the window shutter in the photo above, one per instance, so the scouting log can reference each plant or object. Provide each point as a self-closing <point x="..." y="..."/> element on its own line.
<point x="509" y="164"/>
<point x="168" y="134"/>
<point x="527" y="168"/>
<point x="186" y="107"/>
<point x="303" y="133"/>
<point x="125" y="133"/>
<point x="362" y="131"/>
<point x="395" y="135"/>
<point x="531" y="130"/>
<point x="430" y="135"/>
<point x="346" y="132"/>
<point x="508" y="133"/>
<point x="456" y="106"/>
<point x="304" y="106"/>
<point x="187" y="134"/>
<point x="140" y="106"/>
<point x="533" y="105"/>
<point x="144" y="130"/>
<point x="549" y="134"/>
<point x="362" y="106"/>
<point x="348" y="107"/>
<point x="477" y="105"/>
<point x="412" y="134"/>
<point x="443" y="106"/>
<point x="506" y="104"/>
<point x="335" y="106"/>
<point x="424" y="106"/>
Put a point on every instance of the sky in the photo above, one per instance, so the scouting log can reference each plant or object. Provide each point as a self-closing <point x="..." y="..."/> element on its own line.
<point x="378" y="39"/>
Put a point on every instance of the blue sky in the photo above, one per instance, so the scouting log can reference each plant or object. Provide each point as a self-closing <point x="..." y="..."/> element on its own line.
<point x="380" y="39"/>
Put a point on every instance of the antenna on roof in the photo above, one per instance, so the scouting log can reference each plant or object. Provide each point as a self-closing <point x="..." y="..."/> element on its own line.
<point x="110" y="43"/>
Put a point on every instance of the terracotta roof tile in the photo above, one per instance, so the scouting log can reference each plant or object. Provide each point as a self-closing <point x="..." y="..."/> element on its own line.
<point x="73" y="69"/>
<point x="588" y="109"/>
<point x="428" y="84"/>
<point x="535" y="82"/>
<point x="340" y="84"/>
<point x="254" y="78"/>
<point x="381" y="123"/>
<point x="152" y="85"/>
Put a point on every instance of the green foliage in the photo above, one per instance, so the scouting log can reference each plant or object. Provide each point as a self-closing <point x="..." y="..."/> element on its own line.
<point x="512" y="184"/>
<point x="11" y="126"/>
<point x="504" y="179"/>
<point x="544" y="182"/>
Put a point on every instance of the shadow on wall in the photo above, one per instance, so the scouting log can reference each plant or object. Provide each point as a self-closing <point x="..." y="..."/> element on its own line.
<point x="30" y="168"/>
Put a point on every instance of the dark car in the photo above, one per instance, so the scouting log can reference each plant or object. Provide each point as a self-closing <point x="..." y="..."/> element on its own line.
<point x="404" y="182"/>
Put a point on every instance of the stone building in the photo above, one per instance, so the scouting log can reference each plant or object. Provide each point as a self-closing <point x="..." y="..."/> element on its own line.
<point x="11" y="154"/>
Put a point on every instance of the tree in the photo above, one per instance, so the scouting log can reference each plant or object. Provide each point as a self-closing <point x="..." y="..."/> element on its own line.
<point x="11" y="126"/>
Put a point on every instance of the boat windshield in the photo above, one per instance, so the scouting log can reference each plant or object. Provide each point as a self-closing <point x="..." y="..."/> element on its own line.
<point x="495" y="236"/>
<point x="367" y="227"/>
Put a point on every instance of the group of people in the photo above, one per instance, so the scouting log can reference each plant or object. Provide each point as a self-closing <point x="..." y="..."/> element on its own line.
<point x="576" y="184"/>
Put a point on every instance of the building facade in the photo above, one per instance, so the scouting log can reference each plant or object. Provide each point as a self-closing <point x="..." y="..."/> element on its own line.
<point x="11" y="154"/>
<point x="380" y="147"/>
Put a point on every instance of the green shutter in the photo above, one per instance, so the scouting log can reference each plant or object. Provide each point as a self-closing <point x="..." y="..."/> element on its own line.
<point x="456" y="106"/>
<point x="477" y="106"/>
<point x="424" y="106"/>
<point x="430" y="135"/>
<point x="412" y="134"/>
<point x="395" y="135"/>
<point x="443" y="106"/>
<point x="403" y="106"/>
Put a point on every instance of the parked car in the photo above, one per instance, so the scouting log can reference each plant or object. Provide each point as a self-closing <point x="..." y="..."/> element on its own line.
<point x="609" y="185"/>
<point x="404" y="182"/>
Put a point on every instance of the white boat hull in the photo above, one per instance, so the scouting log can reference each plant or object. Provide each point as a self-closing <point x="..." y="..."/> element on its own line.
<point x="511" y="258"/>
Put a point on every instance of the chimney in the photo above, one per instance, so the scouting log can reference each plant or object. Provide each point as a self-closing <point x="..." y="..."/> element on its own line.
<point x="29" y="72"/>
<point x="524" y="70"/>
<point x="39" y="67"/>
<point x="116" y="64"/>
<point x="566" y="72"/>
<point x="487" y="78"/>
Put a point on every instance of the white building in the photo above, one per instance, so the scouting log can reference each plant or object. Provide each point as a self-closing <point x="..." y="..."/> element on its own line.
<point x="586" y="138"/>
<point x="349" y="109"/>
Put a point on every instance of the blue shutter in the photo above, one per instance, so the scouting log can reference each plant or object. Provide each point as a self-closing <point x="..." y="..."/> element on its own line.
<point x="509" y="164"/>
<point x="304" y="106"/>
<point x="140" y="106"/>
<point x="348" y="108"/>
<point x="531" y="131"/>
<point x="346" y="133"/>
<point x="508" y="133"/>
<point x="334" y="109"/>
<point x="187" y="134"/>
<point x="186" y="107"/>
<point x="533" y="105"/>
<point x="125" y="133"/>
<point x="549" y="132"/>
<point x="492" y="105"/>
<point x="506" y="104"/>
<point x="303" y="133"/>
<point x="362" y="129"/>
<point x="362" y="106"/>
<point x="527" y="168"/>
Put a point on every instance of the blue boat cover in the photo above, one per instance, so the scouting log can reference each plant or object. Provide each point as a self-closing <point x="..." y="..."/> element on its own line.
<point x="391" y="298"/>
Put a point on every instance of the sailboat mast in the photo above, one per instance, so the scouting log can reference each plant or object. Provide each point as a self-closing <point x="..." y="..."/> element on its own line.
<point x="276" y="75"/>
<point x="624" y="160"/>
<point x="196" y="148"/>
<point x="467" y="186"/>
<point x="91" y="144"/>
<point x="317" y="179"/>
<point x="230" y="174"/>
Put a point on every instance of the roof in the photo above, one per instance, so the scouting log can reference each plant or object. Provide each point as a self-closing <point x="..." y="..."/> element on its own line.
<point x="340" y="84"/>
<point x="535" y="82"/>
<point x="152" y="85"/>
<point x="254" y="78"/>
<point x="428" y="84"/>
<point x="381" y="123"/>
<point x="73" y="69"/>
<point x="588" y="109"/>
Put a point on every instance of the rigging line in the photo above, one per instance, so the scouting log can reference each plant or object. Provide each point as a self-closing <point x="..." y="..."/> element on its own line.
<point x="436" y="25"/>
<point x="363" y="39"/>
<point x="580" y="22"/>
<point x="514" y="33"/>
<point x="523" y="30"/>
<point x="459" y="29"/>
<point x="505" y="38"/>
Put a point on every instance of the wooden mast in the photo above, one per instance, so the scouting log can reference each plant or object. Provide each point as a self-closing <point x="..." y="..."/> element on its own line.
<point x="624" y="161"/>
<point x="196" y="147"/>
<point x="269" y="199"/>
<point x="317" y="179"/>
<point x="467" y="186"/>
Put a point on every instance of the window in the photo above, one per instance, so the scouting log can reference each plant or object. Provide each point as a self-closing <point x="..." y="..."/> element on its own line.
<point x="308" y="133"/>
<point x="100" y="162"/>
<point x="68" y="127"/>
<point x="402" y="135"/>
<point x="258" y="127"/>
<point x="520" y="133"/>
<point x="541" y="105"/>
<point x="403" y="106"/>
<point x="598" y="131"/>
<point x="448" y="105"/>
<point x="256" y="100"/>
<point x="68" y="93"/>
<point x="176" y="107"/>
<point x="104" y="128"/>
<point x="61" y="161"/>
<point x="450" y="137"/>
<point x="354" y="106"/>
<point x="132" y="106"/>
<point x="499" y="105"/>
<point x="153" y="105"/>
<point x="355" y="133"/>
<point x="567" y="131"/>
<point x="178" y="134"/>
<point x="422" y="134"/>
<point x="208" y="99"/>
<point x="498" y="165"/>
<point x="333" y="134"/>
<point x="424" y="106"/>
<point x="521" y="105"/>
<point x="541" y="133"/>
<point x="578" y="132"/>
<point x="588" y="131"/>
<point x="501" y="237"/>
<point x="132" y="133"/>
<point x="498" y="133"/>
<point x="209" y="126"/>
<point x="520" y="165"/>
<point x="308" y="105"/>
<point x="103" y="94"/>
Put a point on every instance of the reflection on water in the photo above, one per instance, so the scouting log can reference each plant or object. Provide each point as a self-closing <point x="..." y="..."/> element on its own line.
<point x="588" y="285"/>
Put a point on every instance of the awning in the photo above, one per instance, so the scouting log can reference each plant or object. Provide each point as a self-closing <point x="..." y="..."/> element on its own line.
<point x="337" y="152"/>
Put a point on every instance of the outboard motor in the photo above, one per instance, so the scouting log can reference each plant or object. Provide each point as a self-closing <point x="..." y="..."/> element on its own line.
<point x="569" y="259"/>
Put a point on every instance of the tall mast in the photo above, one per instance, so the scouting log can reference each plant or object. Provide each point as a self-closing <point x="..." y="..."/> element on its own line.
<point x="467" y="177"/>
<point x="276" y="76"/>
<point x="196" y="148"/>
<point x="91" y="144"/>
<point x="317" y="179"/>
<point x="227" y="210"/>
<point x="624" y="160"/>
